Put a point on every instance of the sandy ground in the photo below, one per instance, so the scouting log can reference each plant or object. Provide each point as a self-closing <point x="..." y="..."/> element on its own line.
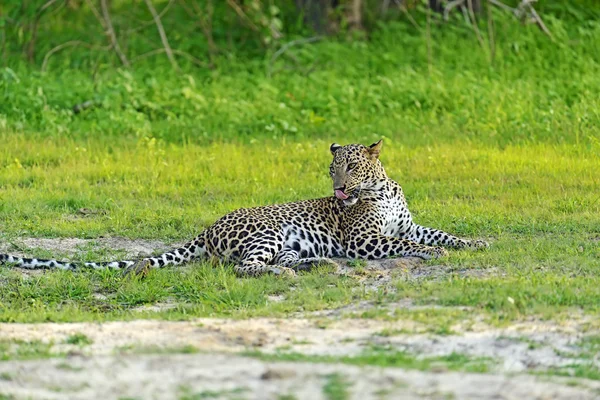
<point x="121" y="360"/>
<point x="519" y="348"/>
<point x="222" y="376"/>
<point x="131" y="247"/>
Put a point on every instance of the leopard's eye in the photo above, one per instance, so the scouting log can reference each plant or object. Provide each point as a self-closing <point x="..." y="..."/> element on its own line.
<point x="351" y="166"/>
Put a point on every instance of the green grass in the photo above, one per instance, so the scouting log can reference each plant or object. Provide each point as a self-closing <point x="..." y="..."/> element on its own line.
<point x="537" y="204"/>
<point x="202" y="290"/>
<point x="587" y="370"/>
<point x="131" y="349"/>
<point x="286" y="397"/>
<point x="389" y="357"/>
<point x="78" y="339"/>
<point x="507" y="151"/>
<point x="336" y="387"/>
<point x="233" y="394"/>
<point x="5" y="376"/>
<point x="25" y="350"/>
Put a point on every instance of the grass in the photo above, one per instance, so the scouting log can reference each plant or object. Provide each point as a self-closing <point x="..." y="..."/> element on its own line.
<point x="200" y="291"/>
<point x="336" y="387"/>
<point x="585" y="364"/>
<point x="388" y="357"/>
<point x="507" y="151"/>
<point x="587" y="370"/>
<point x="537" y="205"/>
<point x="233" y="394"/>
<point x="186" y="349"/>
<point x="5" y="376"/>
<point x="25" y="350"/>
<point x="78" y="339"/>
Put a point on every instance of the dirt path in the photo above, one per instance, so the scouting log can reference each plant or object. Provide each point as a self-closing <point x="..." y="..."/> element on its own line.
<point x="69" y="246"/>
<point x="204" y="376"/>
<point x="117" y="363"/>
<point x="522" y="347"/>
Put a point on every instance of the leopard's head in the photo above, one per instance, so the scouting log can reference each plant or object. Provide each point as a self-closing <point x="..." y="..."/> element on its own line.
<point x="355" y="168"/>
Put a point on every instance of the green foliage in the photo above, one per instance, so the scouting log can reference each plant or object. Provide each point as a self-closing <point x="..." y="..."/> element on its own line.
<point x="360" y="89"/>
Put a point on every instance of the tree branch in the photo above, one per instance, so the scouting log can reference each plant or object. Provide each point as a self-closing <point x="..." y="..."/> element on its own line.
<point x="205" y="25"/>
<point x="207" y="29"/>
<point x="385" y="5"/>
<point x="474" y="22"/>
<point x="34" y="28"/>
<point x="111" y="33"/>
<point x="520" y="12"/>
<point x="69" y="44"/>
<point x="450" y="6"/>
<point x="538" y="20"/>
<point x="355" y="16"/>
<point x="403" y="8"/>
<point x="428" y="33"/>
<point x="286" y="46"/>
<point x="238" y="10"/>
<point x="163" y="35"/>
<point x="491" y="39"/>
<point x="96" y="14"/>
<point x="503" y="6"/>
<point x="146" y="24"/>
<point x="3" y="43"/>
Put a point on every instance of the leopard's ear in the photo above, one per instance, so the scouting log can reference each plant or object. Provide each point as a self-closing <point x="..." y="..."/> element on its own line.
<point x="375" y="149"/>
<point x="334" y="147"/>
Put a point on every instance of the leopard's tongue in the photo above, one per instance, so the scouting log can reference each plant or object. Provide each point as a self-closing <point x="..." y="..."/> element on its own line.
<point x="340" y="195"/>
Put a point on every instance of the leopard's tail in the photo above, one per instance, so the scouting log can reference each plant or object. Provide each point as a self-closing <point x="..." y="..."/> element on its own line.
<point x="36" y="263"/>
<point x="191" y="250"/>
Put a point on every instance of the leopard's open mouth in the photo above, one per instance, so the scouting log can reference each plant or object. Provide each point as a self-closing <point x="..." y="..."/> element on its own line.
<point x="348" y="197"/>
<point x="340" y="194"/>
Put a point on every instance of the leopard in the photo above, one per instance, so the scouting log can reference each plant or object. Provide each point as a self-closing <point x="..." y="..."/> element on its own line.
<point x="365" y="217"/>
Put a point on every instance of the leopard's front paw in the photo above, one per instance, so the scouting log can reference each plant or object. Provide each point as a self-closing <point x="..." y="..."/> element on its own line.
<point x="282" y="271"/>
<point x="439" y="252"/>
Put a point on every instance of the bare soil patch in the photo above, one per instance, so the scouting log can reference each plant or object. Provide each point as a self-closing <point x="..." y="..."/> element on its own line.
<point x="225" y="376"/>
<point x="525" y="346"/>
<point x="131" y="247"/>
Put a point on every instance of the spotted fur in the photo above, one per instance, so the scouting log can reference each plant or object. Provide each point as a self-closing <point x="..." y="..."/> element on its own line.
<point x="367" y="218"/>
